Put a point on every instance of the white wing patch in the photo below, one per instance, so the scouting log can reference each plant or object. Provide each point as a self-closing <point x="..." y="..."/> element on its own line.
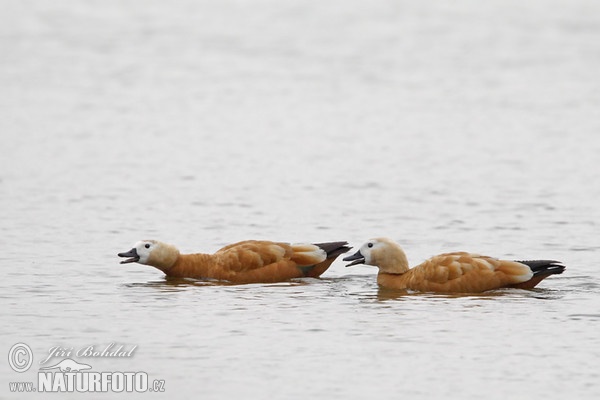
<point x="308" y="254"/>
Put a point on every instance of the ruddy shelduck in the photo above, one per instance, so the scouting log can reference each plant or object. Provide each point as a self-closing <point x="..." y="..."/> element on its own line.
<point x="458" y="272"/>
<point x="252" y="261"/>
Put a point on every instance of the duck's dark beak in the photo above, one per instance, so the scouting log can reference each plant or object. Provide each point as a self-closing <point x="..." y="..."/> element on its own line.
<point x="356" y="258"/>
<point x="134" y="257"/>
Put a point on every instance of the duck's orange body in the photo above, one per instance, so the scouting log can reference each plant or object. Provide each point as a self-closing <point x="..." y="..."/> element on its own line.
<point x="250" y="261"/>
<point x="458" y="272"/>
<point x="462" y="273"/>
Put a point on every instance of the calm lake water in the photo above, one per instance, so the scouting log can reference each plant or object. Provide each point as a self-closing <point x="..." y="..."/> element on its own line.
<point x="447" y="126"/>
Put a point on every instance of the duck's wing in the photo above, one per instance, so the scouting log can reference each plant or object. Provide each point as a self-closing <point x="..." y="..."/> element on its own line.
<point x="252" y="254"/>
<point x="255" y="254"/>
<point x="466" y="272"/>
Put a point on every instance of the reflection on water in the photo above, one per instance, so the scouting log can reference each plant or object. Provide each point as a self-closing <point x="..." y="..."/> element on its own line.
<point x="384" y="294"/>
<point x="591" y="317"/>
<point x="170" y="284"/>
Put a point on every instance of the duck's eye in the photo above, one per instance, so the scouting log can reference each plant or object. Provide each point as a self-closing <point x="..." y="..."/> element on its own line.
<point x="369" y="245"/>
<point x="147" y="245"/>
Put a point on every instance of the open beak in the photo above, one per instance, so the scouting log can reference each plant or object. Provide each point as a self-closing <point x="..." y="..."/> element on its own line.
<point x="356" y="258"/>
<point x="134" y="257"/>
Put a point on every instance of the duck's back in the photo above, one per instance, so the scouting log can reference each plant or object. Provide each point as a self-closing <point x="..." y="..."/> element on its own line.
<point x="459" y="272"/>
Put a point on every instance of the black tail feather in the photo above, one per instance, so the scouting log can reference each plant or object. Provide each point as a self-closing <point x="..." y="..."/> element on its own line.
<point x="334" y="249"/>
<point x="545" y="267"/>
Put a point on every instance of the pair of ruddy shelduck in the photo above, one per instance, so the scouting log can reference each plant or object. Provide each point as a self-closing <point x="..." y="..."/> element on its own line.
<point x="256" y="261"/>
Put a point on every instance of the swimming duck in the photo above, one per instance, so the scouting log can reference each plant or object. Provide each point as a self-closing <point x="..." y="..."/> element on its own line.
<point x="250" y="261"/>
<point x="458" y="272"/>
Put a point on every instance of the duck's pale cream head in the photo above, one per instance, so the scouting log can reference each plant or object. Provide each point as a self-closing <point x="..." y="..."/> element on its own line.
<point x="152" y="252"/>
<point x="383" y="253"/>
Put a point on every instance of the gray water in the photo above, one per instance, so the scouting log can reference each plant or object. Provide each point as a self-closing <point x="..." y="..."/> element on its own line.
<point x="446" y="126"/>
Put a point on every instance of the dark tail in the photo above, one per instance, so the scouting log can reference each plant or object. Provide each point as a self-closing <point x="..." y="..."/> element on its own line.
<point x="541" y="269"/>
<point x="334" y="249"/>
<point x="544" y="267"/>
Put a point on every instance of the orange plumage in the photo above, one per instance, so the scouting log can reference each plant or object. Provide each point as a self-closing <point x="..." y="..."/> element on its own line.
<point x="458" y="272"/>
<point x="250" y="261"/>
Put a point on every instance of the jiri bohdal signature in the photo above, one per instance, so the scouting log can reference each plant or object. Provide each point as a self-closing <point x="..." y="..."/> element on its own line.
<point x="111" y="350"/>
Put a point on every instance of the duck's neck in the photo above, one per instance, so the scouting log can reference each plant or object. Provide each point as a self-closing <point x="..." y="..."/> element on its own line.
<point x="392" y="281"/>
<point x="191" y="265"/>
